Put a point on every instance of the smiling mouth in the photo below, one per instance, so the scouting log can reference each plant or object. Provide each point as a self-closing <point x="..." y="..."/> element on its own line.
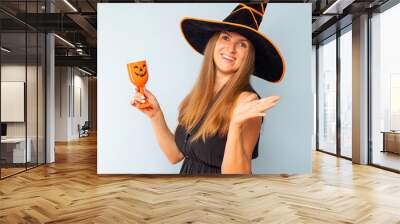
<point x="141" y="75"/>
<point x="228" y="58"/>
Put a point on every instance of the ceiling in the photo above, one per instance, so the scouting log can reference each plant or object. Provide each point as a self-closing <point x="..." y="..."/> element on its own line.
<point x="76" y="22"/>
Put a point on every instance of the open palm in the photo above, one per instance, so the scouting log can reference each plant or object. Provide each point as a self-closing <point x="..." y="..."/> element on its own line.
<point x="251" y="107"/>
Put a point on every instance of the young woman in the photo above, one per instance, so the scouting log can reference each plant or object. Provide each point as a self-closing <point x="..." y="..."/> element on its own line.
<point x="220" y="119"/>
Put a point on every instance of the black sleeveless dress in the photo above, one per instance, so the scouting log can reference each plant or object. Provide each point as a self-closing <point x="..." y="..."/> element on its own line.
<point x="204" y="158"/>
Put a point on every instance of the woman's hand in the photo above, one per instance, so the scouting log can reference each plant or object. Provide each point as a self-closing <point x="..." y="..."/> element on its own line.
<point x="153" y="110"/>
<point x="250" y="107"/>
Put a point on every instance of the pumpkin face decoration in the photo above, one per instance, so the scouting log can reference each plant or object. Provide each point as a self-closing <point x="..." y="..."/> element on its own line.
<point x="138" y="73"/>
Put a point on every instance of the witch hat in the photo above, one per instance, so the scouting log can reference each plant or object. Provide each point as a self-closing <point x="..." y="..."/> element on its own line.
<point x="245" y="19"/>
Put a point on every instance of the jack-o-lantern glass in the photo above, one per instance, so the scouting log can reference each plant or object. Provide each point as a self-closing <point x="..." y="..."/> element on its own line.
<point x="138" y="74"/>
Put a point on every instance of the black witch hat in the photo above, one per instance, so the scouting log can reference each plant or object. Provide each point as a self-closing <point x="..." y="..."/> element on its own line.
<point x="245" y="19"/>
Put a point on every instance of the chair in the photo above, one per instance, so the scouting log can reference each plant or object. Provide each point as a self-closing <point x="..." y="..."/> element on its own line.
<point x="84" y="130"/>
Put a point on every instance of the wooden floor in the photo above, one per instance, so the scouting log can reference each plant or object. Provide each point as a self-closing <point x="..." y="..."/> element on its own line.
<point x="5" y="172"/>
<point x="70" y="191"/>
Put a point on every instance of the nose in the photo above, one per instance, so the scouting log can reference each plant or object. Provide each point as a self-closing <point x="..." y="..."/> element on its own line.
<point x="231" y="47"/>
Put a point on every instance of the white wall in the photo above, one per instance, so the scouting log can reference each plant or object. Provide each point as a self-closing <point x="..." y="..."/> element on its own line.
<point x="67" y="84"/>
<point x="33" y="127"/>
<point x="15" y="72"/>
<point x="80" y="83"/>
<point x="13" y="101"/>
<point x="61" y="103"/>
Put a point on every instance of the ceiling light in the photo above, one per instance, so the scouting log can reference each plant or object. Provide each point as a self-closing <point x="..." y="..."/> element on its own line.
<point x="70" y="5"/>
<point x="64" y="40"/>
<point x="5" y="50"/>
<point x="84" y="71"/>
<point x="329" y="9"/>
<point x="338" y="6"/>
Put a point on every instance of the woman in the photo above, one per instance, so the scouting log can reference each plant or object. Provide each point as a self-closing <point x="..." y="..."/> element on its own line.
<point x="220" y="119"/>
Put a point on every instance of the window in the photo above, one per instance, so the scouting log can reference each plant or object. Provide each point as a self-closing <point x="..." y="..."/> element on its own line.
<point x="22" y="78"/>
<point x="346" y="93"/>
<point x="327" y="96"/>
<point x="385" y="88"/>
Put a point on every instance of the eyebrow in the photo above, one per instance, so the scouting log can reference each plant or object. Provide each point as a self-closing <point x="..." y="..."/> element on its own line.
<point x="231" y="36"/>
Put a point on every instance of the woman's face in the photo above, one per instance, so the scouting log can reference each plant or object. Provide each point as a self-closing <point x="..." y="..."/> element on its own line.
<point x="230" y="51"/>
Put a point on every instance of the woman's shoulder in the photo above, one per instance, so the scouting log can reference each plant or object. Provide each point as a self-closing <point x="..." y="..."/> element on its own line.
<point x="247" y="91"/>
<point x="249" y="88"/>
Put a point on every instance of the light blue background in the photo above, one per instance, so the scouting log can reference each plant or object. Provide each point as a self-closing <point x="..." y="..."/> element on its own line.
<point x="131" y="32"/>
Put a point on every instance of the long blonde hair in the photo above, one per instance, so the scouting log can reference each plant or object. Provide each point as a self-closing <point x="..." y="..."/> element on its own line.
<point x="195" y="104"/>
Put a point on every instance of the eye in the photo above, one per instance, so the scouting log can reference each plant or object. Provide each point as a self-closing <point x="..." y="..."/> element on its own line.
<point x="135" y="66"/>
<point x="243" y="45"/>
<point x="225" y="37"/>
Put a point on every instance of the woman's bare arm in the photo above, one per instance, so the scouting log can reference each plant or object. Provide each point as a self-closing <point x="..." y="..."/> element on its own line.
<point x="239" y="147"/>
<point x="244" y="130"/>
<point x="166" y="138"/>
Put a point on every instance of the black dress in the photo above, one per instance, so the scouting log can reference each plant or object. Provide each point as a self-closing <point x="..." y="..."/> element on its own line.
<point x="203" y="158"/>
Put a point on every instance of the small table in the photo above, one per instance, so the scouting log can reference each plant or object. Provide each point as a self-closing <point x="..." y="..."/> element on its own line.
<point x="391" y="141"/>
